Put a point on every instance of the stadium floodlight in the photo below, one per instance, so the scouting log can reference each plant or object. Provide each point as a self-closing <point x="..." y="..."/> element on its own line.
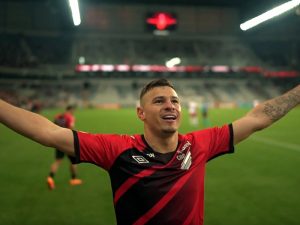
<point x="75" y="12"/>
<point x="173" y="62"/>
<point x="269" y="14"/>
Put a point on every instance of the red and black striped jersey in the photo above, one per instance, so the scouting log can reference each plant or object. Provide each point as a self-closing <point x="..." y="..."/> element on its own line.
<point x="151" y="187"/>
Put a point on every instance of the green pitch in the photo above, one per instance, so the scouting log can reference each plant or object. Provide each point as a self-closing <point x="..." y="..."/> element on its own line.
<point x="257" y="185"/>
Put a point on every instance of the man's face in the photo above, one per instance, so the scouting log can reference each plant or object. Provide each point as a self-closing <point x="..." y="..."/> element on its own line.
<point x="160" y="110"/>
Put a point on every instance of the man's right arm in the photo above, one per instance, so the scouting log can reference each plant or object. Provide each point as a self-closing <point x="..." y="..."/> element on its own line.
<point x="37" y="128"/>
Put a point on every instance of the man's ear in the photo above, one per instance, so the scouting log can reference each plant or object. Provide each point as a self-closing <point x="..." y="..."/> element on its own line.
<point x="140" y="113"/>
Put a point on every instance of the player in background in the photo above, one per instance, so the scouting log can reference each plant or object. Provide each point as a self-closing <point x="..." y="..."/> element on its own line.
<point x="66" y="120"/>
<point x="193" y="113"/>
<point x="204" y="114"/>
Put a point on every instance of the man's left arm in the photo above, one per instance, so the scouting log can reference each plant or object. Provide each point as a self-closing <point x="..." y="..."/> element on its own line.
<point x="265" y="114"/>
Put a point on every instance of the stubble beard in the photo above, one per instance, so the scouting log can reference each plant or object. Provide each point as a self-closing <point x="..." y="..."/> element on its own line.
<point x="169" y="131"/>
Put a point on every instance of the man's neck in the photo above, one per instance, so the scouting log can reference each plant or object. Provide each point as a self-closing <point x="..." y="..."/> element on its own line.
<point x="162" y="143"/>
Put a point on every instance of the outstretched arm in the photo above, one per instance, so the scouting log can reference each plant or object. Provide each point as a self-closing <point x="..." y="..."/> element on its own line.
<point x="36" y="127"/>
<point x="265" y="114"/>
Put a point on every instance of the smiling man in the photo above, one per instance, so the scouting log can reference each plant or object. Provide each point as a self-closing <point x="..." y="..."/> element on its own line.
<point x="160" y="111"/>
<point x="157" y="177"/>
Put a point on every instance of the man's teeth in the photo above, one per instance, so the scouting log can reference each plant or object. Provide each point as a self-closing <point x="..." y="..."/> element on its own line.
<point x="169" y="117"/>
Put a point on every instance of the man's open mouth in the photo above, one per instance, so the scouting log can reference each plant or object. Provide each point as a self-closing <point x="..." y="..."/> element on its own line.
<point x="170" y="117"/>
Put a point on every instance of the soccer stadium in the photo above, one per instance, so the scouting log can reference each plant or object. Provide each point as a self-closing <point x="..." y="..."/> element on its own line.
<point x="98" y="55"/>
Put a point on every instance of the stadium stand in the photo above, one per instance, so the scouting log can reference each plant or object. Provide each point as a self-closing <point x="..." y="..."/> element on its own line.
<point x="41" y="64"/>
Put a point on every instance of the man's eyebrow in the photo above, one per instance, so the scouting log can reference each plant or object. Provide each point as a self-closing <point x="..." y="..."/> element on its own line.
<point x="158" y="97"/>
<point x="162" y="97"/>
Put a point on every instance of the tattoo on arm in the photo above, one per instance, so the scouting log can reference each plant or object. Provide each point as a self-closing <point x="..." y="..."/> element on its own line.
<point x="278" y="107"/>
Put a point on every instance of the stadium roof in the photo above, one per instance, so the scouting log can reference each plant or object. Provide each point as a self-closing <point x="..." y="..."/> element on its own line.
<point x="231" y="3"/>
<point x="286" y="24"/>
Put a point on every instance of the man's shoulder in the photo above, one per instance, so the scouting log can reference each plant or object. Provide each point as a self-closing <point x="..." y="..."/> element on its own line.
<point x="116" y="138"/>
<point x="68" y="115"/>
<point x="195" y="132"/>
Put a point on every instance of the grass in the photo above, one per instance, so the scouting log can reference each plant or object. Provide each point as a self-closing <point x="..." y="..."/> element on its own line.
<point x="257" y="185"/>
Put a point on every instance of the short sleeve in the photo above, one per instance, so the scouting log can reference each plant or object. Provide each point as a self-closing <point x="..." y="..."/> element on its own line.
<point x="215" y="141"/>
<point x="99" y="149"/>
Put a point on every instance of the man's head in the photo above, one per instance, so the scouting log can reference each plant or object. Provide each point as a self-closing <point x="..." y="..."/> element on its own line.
<point x="155" y="83"/>
<point x="70" y="108"/>
<point x="160" y="108"/>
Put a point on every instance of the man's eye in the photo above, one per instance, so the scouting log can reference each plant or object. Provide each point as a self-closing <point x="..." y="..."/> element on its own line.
<point x="158" y="101"/>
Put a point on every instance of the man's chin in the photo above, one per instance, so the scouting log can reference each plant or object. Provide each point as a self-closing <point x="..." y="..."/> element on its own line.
<point x="169" y="131"/>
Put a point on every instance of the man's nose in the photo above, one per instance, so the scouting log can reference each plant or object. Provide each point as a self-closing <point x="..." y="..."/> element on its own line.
<point x="169" y="105"/>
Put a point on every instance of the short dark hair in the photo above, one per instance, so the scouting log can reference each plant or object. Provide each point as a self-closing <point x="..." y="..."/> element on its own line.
<point x="161" y="82"/>
<point x="70" y="107"/>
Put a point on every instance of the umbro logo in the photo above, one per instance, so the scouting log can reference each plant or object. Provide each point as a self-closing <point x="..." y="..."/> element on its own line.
<point x="140" y="159"/>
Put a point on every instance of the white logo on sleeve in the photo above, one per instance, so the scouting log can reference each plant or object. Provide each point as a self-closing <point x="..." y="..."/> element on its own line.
<point x="140" y="159"/>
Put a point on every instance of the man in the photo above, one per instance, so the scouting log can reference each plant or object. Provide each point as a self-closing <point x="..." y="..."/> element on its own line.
<point x="158" y="177"/>
<point x="66" y="120"/>
<point x="204" y="114"/>
<point x="193" y="113"/>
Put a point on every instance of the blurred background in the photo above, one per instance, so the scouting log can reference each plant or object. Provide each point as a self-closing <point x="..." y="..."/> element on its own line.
<point x="100" y="65"/>
<point x="120" y="45"/>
